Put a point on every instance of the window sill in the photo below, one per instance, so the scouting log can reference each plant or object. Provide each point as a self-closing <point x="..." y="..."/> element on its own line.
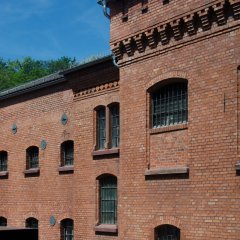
<point x="237" y="166"/>
<point x="106" y="228"/>
<point x="169" y="128"/>
<point x="105" y="152"/>
<point x="3" y="173"/>
<point x="167" y="171"/>
<point x="32" y="171"/>
<point x="69" y="168"/>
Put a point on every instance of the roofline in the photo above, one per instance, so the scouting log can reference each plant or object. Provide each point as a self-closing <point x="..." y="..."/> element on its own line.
<point x="86" y="65"/>
<point x="32" y="86"/>
<point x="49" y="80"/>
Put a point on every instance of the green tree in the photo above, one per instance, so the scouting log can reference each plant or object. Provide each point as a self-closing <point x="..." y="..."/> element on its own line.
<point x="16" y="72"/>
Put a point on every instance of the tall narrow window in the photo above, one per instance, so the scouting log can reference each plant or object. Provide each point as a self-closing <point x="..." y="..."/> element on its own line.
<point x="167" y="232"/>
<point x="108" y="200"/>
<point x="31" y="223"/>
<point x="170" y="105"/>
<point x="67" y="153"/>
<point x="3" y="161"/>
<point x="32" y="157"/>
<point x="114" y="123"/>
<point x="101" y="126"/>
<point x="3" y="222"/>
<point x="67" y="229"/>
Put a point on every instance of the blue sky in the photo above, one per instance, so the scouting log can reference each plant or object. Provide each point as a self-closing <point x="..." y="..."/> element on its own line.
<point x="49" y="29"/>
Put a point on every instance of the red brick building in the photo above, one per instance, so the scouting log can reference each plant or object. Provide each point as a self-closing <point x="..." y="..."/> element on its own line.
<point x="148" y="150"/>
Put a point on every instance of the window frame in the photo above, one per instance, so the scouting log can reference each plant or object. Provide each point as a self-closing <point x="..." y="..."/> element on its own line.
<point x="103" y="211"/>
<point x="166" y="229"/>
<point x="67" y="147"/>
<point x="32" y="157"/>
<point x="3" y="222"/>
<point x="64" y="228"/>
<point x="3" y="161"/>
<point x="32" y="223"/>
<point x="174" y="104"/>
<point x="107" y="128"/>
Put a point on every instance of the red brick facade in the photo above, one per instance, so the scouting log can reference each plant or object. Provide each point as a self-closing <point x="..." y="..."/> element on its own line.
<point x="185" y="175"/>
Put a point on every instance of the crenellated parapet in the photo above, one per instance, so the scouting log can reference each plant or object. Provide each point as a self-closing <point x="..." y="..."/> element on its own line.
<point x="207" y="20"/>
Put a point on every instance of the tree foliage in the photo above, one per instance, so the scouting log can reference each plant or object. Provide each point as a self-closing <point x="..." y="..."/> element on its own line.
<point x="16" y="72"/>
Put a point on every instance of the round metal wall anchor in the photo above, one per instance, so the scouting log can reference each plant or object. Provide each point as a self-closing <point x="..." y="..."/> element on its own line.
<point x="43" y="144"/>
<point x="64" y="119"/>
<point x="14" y="128"/>
<point x="52" y="221"/>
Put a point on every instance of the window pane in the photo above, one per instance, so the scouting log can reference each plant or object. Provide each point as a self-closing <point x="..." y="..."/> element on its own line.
<point x="67" y="229"/>
<point x="167" y="232"/>
<point x="68" y="153"/>
<point x="108" y="203"/>
<point x="115" y="129"/>
<point x="169" y="105"/>
<point x="32" y="223"/>
<point x="33" y="157"/>
<point x="101" y="128"/>
<point x="3" y="161"/>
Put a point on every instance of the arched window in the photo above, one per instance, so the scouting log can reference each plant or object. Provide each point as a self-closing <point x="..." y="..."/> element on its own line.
<point x="108" y="200"/>
<point x="31" y="223"/>
<point x="67" y="229"/>
<point x="32" y="157"/>
<point x="3" y="161"/>
<point x="170" y="103"/>
<point x="101" y="127"/>
<point x="3" y="222"/>
<point x="167" y="232"/>
<point x="67" y="153"/>
<point x="114" y="125"/>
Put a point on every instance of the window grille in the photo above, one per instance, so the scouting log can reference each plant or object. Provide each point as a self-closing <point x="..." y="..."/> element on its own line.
<point x="33" y="155"/>
<point x="101" y="115"/>
<point x="3" y="161"/>
<point x="68" y="153"/>
<point x="170" y="105"/>
<point x="115" y="130"/>
<point x="32" y="223"/>
<point x="108" y="201"/>
<point x="67" y="229"/>
<point x="167" y="232"/>
<point x="3" y="222"/>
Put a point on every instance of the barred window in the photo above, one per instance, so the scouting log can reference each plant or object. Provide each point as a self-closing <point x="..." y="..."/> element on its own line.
<point x="108" y="200"/>
<point x="31" y="223"/>
<point x="101" y="127"/>
<point x="167" y="232"/>
<point x="3" y="161"/>
<point x="67" y="153"/>
<point x="3" y="222"/>
<point x="114" y="125"/>
<point x="67" y="229"/>
<point x="170" y="105"/>
<point x="32" y="157"/>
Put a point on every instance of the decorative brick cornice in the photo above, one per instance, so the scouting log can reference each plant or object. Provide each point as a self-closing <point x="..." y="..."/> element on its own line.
<point x="213" y="16"/>
<point x="98" y="90"/>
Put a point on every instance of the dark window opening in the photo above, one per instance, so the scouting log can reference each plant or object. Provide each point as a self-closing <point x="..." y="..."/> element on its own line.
<point x="170" y="105"/>
<point x="101" y="126"/>
<point x="67" y="229"/>
<point x="115" y="129"/>
<point x="67" y="153"/>
<point x="32" y="157"/>
<point x="3" y="161"/>
<point x="3" y="222"/>
<point x="31" y="223"/>
<point x="167" y="232"/>
<point x="108" y="200"/>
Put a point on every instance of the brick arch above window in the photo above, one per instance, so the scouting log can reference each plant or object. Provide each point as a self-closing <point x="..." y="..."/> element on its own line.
<point x="168" y="75"/>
